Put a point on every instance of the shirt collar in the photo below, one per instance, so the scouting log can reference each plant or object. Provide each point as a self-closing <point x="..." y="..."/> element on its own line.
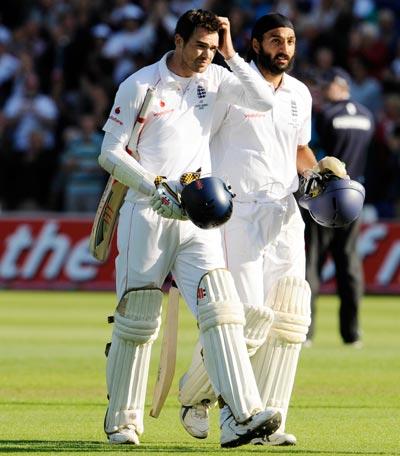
<point x="166" y="76"/>
<point x="284" y="84"/>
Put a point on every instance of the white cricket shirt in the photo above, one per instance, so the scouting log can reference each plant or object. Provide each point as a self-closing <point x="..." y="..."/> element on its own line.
<point x="255" y="152"/>
<point x="175" y="137"/>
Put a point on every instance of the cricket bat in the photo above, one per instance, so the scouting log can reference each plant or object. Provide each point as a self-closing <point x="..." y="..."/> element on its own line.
<point x="107" y="213"/>
<point x="166" y="366"/>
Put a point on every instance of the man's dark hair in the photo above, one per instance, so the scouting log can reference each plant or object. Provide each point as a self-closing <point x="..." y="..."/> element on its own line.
<point x="194" y="18"/>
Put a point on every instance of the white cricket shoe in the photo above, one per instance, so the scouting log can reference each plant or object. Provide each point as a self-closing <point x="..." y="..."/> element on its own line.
<point x="235" y="434"/>
<point x="126" y="435"/>
<point x="194" y="419"/>
<point x="275" y="439"/>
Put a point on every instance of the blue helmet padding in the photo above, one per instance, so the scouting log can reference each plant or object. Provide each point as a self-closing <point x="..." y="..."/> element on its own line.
<point x="207" y="202"/>
<point x="340" y="203"/>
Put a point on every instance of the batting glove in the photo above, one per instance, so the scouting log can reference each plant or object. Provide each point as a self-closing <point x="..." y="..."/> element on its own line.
<point x="310" y="183"/>
<point x="313" y="180"/>
<point x="166" y="200"/>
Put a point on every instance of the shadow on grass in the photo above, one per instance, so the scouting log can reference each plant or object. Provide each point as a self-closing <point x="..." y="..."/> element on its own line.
<point x="54" y="404"/>
<point x="301" y="451"/>
<point x="84" y="446"/>
<point x="355" y="406"/>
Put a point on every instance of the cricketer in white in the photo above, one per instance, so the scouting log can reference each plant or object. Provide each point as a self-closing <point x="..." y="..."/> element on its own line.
<point x="260" y="155"/>
<point x="154" y="237"/>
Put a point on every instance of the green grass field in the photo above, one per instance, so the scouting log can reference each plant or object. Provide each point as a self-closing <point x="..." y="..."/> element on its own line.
<point x="346" y="401"/>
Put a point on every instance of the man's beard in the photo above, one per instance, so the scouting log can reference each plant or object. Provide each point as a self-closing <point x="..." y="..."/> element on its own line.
<point x="270" y="64"/>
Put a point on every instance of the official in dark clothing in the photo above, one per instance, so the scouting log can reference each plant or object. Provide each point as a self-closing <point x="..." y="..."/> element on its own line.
<point x="345" y="128"/>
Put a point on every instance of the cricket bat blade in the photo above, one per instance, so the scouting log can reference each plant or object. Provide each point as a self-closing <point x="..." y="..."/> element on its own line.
<point x="166" y="367"/>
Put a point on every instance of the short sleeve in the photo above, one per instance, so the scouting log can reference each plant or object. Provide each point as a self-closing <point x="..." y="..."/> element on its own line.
<point x="124" y="110"/>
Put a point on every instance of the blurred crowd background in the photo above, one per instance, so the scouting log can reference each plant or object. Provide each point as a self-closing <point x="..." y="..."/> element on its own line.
<point x="61" y="62"/>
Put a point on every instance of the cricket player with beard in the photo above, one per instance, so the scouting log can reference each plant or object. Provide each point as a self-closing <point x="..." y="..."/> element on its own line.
<point x="155" y="236"/>
<point x="260" y="154"/>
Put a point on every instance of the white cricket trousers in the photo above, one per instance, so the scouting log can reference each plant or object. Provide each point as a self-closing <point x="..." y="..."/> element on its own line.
<point x="263" y="241"/>
<point x="150" y="246"/>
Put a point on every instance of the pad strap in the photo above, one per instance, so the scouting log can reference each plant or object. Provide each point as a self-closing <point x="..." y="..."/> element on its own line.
<point x="138" y="315"/>
<point x="258" y="324"/>
<point x="290" y="301"/>
<point x="218" y="302"/>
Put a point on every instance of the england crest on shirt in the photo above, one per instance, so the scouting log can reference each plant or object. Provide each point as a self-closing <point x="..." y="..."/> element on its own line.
<point x="201" y="92"/>
<point x="201" y="95"/>
<point x="294" y="114"/>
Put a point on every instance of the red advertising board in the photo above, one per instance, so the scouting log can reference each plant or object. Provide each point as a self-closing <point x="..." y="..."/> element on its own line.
<point x="379" y="247"/>
<point x="52" y="253"/>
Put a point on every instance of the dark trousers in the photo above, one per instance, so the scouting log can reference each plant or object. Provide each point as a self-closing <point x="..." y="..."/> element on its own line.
<point x="341" y="244"/>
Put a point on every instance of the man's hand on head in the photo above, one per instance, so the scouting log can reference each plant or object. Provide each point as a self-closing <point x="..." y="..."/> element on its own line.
<point x="225" y="46"/>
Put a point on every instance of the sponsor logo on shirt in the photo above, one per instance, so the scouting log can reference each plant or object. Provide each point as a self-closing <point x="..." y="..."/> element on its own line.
<point x="162" y="113"/>
<point x="250" y="115"/>
<point x="352" y="123"/>
<point x="351" y="109"/>
<point x="115" y="119"/>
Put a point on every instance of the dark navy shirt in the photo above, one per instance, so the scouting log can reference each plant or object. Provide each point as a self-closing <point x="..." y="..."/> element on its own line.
<point x="345" y="129"/>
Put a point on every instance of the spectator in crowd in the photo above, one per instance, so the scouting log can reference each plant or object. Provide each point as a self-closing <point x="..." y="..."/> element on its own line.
<point x="8" y="65"/>
<point x="324" y="60"/>
<point x="395" y="65"/>
<point x="382" y="179"/>
<point x="79" y="52"/>
<point x="365" y="89"/>
<point x="344" y="128"/>
<point x="324" y="13"/>
<point x="393" y="194"/>
<point x="133" y="36"/>
<point x="28" y="174"/>
<point x="28" y="111"/>
<point x="98" y="68"/>
<point x="84" y="179"/>
<point x="388" y="31"/>
<point x="372" y="49"/>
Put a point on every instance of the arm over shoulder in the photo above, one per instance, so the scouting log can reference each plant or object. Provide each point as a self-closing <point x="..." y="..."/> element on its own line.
<point x="244" y="86"/>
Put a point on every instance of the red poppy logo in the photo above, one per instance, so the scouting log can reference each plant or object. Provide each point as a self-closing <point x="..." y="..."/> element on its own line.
<point x="162" y="103"/>
<point x="201" y="293"/>
<point x="117" y="110"/>
<point x="165" y="201"/>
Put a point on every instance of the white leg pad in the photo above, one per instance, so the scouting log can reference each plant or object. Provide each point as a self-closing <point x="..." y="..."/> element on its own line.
<point x="195" y="386"/>
<point x="258" y="324"/>
<point x="275" y="363"/>
<point x="221" y="320"/>
<point x="137" y="322"/>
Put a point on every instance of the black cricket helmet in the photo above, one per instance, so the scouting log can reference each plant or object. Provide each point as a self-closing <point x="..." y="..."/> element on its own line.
<point x="207" y="202"/>
<point x="339" y="202"/>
